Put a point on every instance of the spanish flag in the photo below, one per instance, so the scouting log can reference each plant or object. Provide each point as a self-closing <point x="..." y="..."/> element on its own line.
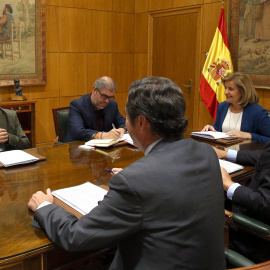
<point x="217" y="65"/>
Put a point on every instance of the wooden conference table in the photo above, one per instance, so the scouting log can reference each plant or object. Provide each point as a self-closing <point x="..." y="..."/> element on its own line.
<point x="26" y="247"/>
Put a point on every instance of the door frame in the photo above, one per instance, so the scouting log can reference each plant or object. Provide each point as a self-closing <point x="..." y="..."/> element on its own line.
<point x="172" y="12"/>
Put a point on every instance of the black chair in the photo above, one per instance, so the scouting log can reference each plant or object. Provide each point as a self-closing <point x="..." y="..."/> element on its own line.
<point x="60" y="117"/>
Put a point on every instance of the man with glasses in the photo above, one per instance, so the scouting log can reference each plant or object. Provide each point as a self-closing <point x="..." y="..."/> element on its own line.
<point x="96" y="115"/>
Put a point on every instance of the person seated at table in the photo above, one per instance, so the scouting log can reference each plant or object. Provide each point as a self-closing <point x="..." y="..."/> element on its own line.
<point x="251" y="199"/>
<point x="240" y="115"/>
<point x="96" y="115"/>
<point x="12" y="136"/>
<point x="165" y="210"/>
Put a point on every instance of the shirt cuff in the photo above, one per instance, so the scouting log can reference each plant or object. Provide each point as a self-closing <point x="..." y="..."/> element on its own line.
<point x="231" y="155"/>
<point x="43" y="204"/>
<point x="232" y="189"/>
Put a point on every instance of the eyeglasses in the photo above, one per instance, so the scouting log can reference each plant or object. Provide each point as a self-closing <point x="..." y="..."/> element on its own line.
<point x="104" y="97"/>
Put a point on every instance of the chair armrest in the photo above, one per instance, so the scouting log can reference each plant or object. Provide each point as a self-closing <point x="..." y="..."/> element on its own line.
<point x="251" y="224"/>
<point x="236" y="260"/>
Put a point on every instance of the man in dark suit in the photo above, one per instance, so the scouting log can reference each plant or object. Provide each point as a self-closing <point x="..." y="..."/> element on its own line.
<point x="164" y="211"/>
<point x="96" y="115"/>
<point x="12" y="136"/>
<point x="252" y="199"/>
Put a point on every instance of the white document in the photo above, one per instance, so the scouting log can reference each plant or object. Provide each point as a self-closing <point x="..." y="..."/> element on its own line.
<point x="126" y="137"/>
<point x="82" y="198"/>
<point x="230" y="167"/>
<point x="16" y="157"/>
<point x="211" y="134"/>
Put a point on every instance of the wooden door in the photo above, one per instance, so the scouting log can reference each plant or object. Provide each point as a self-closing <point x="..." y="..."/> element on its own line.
<point x="174" y="51"/>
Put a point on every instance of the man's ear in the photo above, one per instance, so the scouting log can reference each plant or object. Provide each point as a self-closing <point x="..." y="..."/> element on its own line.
<point x="94" y="90"/>
<point x="143" y="123"/>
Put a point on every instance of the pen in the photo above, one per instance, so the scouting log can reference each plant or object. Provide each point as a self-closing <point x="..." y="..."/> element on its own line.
<point x="110" y="171"/>
<point x="113" y="126"/>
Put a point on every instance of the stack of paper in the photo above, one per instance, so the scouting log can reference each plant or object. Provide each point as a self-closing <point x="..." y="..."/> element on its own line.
<point x="82" y="198"/>
<point x="230" y="167"/>
<point x="16" y="157"/>
<point x="211" y="134"/>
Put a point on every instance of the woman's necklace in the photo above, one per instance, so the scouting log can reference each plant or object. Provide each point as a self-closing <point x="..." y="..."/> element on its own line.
<point x="239" y="114"/>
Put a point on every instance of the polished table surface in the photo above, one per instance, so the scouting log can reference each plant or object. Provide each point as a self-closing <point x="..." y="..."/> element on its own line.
<point x="65" y="165"/>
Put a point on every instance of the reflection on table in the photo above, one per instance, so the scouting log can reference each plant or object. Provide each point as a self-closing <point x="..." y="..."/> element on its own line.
<point x="65" y="165"/>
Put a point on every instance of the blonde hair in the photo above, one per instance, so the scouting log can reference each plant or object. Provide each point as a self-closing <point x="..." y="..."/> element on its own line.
<point x="245" y="86"/>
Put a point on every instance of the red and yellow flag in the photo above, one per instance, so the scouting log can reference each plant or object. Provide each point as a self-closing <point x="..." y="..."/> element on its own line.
<point x="217" y="65"/>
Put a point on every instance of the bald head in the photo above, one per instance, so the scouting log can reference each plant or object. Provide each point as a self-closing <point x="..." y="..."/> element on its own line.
<point x="105" y="83"/>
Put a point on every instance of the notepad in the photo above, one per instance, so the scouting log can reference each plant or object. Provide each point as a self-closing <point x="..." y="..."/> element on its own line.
<point x="109" y="142"/>
<point x="230" y="167"/>
<point x="16" y="157"/>
<point x="102" y="143"/>
<point x="214" y="135"/>
<point x="83" y="198"/>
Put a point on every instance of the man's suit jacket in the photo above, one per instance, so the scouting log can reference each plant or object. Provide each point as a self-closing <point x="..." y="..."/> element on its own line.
<point x="82" y="122"/>
<point x="253" y="200"/>
<point x="255" y="120"/>
<point x="254" y="197"/>
<point x="16" y="137"/>
<point x="165" y="211"/>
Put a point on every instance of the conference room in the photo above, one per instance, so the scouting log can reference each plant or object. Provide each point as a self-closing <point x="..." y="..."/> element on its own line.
<point x="78" y="42"/>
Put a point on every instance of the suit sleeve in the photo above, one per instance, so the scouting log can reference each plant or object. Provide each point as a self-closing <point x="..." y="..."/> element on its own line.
<point x="76" y="123"/>
<point x="116" y="217"/>
<point x="249" y="158"/>
<point x="256" y="198"/>
<point x="16" y="137"/>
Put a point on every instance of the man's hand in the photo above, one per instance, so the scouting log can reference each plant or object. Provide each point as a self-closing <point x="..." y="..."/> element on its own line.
<point x="208" y="128"/>
<point x="220" y="153"/>
<point x="3" y="135"/>
<point x="116" y="170"/>
<point x="38" y="198"/>
<point x="113" y="134"/>
<point x="227" y="181"/>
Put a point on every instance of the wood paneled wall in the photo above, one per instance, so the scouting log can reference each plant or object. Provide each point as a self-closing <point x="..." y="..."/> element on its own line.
<point x="87" y="39"/>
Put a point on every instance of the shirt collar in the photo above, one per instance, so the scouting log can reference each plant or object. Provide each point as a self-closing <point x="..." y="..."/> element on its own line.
<point x="150" y="147"/>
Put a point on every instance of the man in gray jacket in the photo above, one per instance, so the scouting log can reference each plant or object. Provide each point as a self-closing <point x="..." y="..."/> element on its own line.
<point x="164" y="211"/>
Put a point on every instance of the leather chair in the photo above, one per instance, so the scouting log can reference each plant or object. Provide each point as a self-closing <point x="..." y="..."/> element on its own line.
<point x="60" y="117"/>
<point x="249" y="225"/>
<point x="234" y="259"/>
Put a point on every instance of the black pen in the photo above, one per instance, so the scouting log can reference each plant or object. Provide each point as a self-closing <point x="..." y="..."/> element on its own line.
<point x="111" y="171"/>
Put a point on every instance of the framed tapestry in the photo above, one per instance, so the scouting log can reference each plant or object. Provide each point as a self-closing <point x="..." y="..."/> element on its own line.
<point x="23" y="42"/>
<point x="250" y="39"/>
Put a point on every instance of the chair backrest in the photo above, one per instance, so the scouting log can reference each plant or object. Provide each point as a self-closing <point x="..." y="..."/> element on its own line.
<point x="60" y="117"/>
<point x="14" y="32"/>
